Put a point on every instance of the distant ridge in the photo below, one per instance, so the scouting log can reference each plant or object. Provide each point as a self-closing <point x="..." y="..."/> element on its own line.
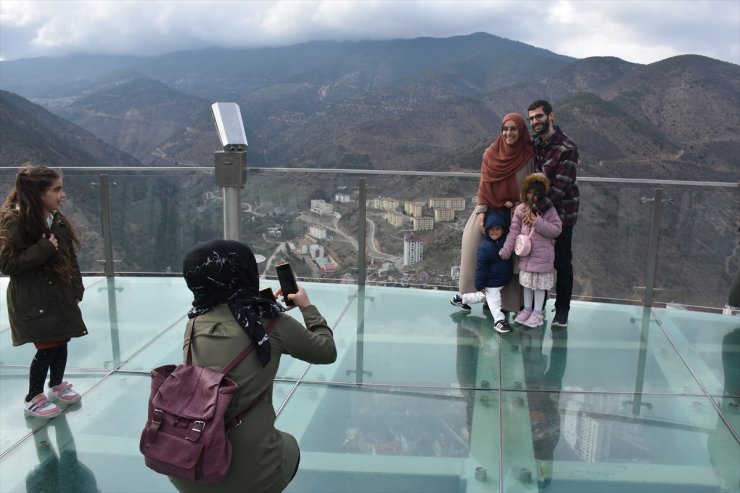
<point x="31" y="133"/>
<point x="423" y="104"/>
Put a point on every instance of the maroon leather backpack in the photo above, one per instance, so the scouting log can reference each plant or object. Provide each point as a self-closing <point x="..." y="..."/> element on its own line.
<point x="185" y="434"/>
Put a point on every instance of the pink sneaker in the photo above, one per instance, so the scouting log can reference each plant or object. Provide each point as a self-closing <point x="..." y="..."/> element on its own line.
<point x="40" y="407"/>
<point x="63" y="394"/>
<point x="534" y="320"/>
<point x="523" y="316"/>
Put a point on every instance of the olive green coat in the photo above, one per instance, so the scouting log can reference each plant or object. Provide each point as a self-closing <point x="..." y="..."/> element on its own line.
<point x="41" y="306"/>
<point x="264" y="459"/>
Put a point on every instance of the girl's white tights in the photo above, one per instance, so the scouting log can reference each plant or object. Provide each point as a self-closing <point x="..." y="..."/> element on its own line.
<point x="539" y="298"/>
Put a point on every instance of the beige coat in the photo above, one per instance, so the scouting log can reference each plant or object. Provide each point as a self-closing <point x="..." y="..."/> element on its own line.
<point x="264" y="459"/>
<point x="511" y="294"/>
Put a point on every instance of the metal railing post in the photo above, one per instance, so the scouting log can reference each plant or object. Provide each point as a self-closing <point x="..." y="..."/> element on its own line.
<point x="105" y="225"/>
<point x="652" y="252"/>
<point x="362" y="234"/>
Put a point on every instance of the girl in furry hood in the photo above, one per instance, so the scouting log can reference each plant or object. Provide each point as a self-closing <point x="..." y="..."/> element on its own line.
<point x="536" y="269"/>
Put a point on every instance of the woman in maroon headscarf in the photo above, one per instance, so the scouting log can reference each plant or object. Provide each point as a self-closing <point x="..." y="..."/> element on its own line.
<point x="505" y="164"/>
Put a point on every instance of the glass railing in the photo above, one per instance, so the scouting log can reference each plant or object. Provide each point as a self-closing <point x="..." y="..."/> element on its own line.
<point x="636" y="241"/>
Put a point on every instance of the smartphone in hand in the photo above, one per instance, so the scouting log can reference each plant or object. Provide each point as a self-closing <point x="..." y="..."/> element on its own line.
<point x="267" y="294"/>
<point x="288" y="284"/>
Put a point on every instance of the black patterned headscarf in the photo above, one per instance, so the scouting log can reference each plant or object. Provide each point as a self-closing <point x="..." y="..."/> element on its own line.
<point x="225" y="271"/>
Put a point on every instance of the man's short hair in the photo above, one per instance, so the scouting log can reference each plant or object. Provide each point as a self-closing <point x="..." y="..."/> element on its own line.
<point x="546" y="106"/>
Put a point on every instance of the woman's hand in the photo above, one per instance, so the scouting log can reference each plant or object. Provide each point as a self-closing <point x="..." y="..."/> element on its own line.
<point x="481" y="222"/>
<point x="300" y="298"/>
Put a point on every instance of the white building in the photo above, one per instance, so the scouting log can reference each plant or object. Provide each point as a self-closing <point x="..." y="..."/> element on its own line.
<point x="444" y="215"/>
<point x="321" y="207"/>
<point x="317" y="231"/>
<point x="413" y="249"/>
<point x="342" y="198"/>
<point x="413" y="209"/>
<point x="422" y="223"/>
<point x="316" y="250"/>
<point x="454" y="203"/>
<point x="395" y="218"/>
<point x="384" y="203"/>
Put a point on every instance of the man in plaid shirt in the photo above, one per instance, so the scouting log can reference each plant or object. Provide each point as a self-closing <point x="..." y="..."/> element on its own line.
<point x="556" y="155"/>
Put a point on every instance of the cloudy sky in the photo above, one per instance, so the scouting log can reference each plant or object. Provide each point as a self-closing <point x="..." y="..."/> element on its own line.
<point x="634" y="30"/>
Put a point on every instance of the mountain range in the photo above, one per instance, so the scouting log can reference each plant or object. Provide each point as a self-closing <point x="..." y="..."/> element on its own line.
<point x="421" y="105"/>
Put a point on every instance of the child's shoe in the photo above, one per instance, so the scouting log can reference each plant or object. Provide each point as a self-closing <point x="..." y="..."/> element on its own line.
<point x="458" y="302"/>
<point x="501" y="326"/>
<point x="523" y="316"/>
<point x="63" y="394"/>
<point x="534" y="320"/>
<point x="41" y="407"/>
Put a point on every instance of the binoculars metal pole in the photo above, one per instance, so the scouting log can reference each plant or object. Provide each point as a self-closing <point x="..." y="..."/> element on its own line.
<point x="231" y="170"/>
<point x="231" y="175"/>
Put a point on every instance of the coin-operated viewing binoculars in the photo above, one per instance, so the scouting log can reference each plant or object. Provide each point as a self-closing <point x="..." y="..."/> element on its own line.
<point x="231" y="164"/>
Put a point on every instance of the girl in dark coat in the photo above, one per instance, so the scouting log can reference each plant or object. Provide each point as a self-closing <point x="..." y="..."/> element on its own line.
<point x="492" y="272"/>
<point x="37" y="251"/>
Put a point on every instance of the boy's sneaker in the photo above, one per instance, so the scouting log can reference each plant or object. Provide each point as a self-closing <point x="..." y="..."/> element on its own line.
<point x="534" y="320"/>
<point x="63" y="394"/>
<point x="523" y="316"/>
<point x="458" y="302"/>
<point x="561" y="319"/>
<point x="501" y="326"/>
<point x="41" y="407"/>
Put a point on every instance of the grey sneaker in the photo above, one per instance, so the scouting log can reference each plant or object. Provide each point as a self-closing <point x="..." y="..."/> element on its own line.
<point x="458" y="302"/>
<point x="501" y="326"/>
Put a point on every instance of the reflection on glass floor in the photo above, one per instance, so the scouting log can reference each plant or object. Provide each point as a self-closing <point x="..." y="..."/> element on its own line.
<point x="423" y="398"/>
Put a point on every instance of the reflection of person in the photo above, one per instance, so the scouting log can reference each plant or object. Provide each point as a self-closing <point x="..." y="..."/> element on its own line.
<point x="557" y="158"/>
<point x="535" y="268"/>
<point x="230" y="314"/>
<point x="37" y="251"/>
<point x="505" y="163"/>
<point x="59" y="473"/>
<point x="546" y="376"/>
<point x="492" y="272"/>
<point x="468" y="346"/>
<point x="723" y="450"/>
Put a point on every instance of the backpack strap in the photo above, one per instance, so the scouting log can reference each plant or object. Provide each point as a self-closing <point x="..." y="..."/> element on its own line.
<point x="235" y="361"/>
<point x="191" y="329"/>
<point x="237" y="420"/>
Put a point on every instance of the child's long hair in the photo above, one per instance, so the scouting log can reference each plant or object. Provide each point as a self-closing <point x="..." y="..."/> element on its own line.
<point x="24" y="202"/>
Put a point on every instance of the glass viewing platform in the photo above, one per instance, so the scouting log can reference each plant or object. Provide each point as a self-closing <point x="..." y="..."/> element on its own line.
<point x="639" y="394"/>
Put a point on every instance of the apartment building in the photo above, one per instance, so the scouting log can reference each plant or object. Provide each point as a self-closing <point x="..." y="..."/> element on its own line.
<point x="413" y="249"/>
<point x="454" y="203"/>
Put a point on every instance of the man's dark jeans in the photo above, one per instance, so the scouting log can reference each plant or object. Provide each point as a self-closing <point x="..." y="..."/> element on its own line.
<point x="564" y="267"/>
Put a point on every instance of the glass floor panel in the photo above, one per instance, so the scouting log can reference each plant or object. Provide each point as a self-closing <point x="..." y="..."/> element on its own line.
<point x="422" y="398"/>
